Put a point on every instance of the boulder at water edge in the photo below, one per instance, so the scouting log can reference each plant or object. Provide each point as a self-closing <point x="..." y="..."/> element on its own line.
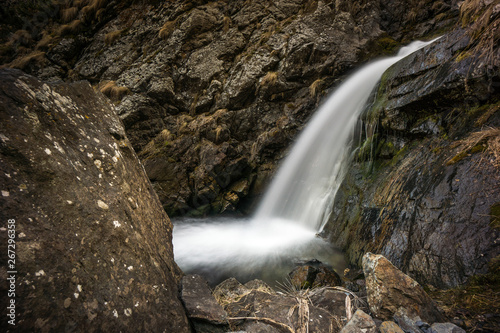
<point x="93" y="248"/>
<point x="391" y="291"/>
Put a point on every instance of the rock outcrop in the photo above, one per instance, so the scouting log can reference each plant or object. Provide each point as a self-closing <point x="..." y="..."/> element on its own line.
<point x="422" y="189"/>
<point x="93" y="247"/>
<point x="390" y="291"/>
<point x="212" y="93"/>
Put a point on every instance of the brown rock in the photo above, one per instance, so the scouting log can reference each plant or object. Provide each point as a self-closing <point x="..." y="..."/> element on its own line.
<point x="390" y="290"/>
<point x="390" y="327"/>
<point x="314" y="274"/>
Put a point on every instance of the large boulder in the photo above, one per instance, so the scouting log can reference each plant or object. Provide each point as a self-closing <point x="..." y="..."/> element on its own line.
<point x="93" y="248"/>
<point x="390" y="291"/>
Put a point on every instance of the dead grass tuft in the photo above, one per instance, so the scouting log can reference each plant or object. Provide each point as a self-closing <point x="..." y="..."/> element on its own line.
<point x="114" y="92"/>
<point x="36" y="58"/>
<point x="112" y="37"/>
<point x="315" y="87"/>
<point x="226" y="23"/>
<point x="44" y="43"/>
<point x="486" y="141"/>
<point x="21" y="37"/>
<point x="167" y="29"/>
<point x="270" y="79"/>
<point x="69" y="14"/>
<point x="70" y="29"/>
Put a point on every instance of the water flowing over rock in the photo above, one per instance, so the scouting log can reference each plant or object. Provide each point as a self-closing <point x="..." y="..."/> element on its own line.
<point x="422" y="188"/>
<point x="93" y="244"/>
<point x="390" y="290"/>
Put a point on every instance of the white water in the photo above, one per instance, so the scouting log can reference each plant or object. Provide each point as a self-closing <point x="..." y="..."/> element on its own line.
<point x="297" y="203"/>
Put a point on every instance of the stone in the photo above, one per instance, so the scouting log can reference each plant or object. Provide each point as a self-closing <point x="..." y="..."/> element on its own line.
<point x="390" y="290"/>
<point x="314" y="274"/>
<point x="201" y="307"/>
<point x="446" y="328"/>
<point x="390" y="327"/>
<point x="93" y="245"/>
<point x="360" y="322"/>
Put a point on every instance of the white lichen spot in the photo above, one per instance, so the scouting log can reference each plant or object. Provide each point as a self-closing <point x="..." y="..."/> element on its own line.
<point x="69" y="202"/>
<point x="130" y="268"/>
<point x="3" y="229"/>
<point x="47" y="151"/>
<point x="7" y="175"/>
<point x="115" y="313"/>
<point x="40" y="273"/>
<point x="115" y="159"/>
<point x="90" y="155"/>
<point x="5" y="193"/>
<point x="76" y="295"/>
<point x="100" y="175"/>
<point x="4" y="138"/>
<point x="113" y="260"/>
<point x="78" y="178"/>
<point x="98" y="163"/>
<point x="102" y="204"/>
<point x="117" y="224"/>
<point x="22" y="235"/>
<point x="79" y="287"/>
<point x="58" y="147"/>
<point x="97" y="140"/>
<point x="136" y="304"/>
<point x="127" y="312"/>
<point x="102" y="151"/>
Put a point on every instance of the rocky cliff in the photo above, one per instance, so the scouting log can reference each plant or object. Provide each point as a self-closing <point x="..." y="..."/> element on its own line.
<point x="89" y="245"/>
<point x="423" y="189"/>
<point x="213" y="93"/>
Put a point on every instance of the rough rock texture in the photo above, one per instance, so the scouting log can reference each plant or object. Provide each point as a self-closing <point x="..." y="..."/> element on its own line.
<point x="93" y="244"/>
<point x="390" y="327"/>
<point x="423" y="187"/>
<point x="446" y="328"/>
<point x="212" y="93"/>
<point x="314" y="274"/>
<point x="390" y="290"/>
<point x="204" y="312"/>
<point x="360" y="322"/>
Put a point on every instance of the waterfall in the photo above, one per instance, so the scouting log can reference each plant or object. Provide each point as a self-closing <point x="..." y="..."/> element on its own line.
<point x="306" y="183"/>
<point x="297" y="203"/>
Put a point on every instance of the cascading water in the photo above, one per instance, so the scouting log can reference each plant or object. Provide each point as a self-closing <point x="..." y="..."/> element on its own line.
<point x="297" y="203"/>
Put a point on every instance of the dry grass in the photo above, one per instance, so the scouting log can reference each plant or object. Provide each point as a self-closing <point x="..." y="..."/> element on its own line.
<point x="114" y="92"/>
<point x="167" y="29"/>
<point x="22" y="37"/>
<point x="226" y="23"/>
<point x="112" y="37"/>
<point x="36" y="57"/>
<point x="44" y="42"/>
<point x="486" y="141"/>
<point x="315" y="87"/>
<point x="70" y="29"/>
<point x="69" y="14"/>
<point x="270" y="79"/>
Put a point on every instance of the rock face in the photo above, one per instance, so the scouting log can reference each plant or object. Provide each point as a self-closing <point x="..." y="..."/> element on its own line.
<point x="93" y="244"/>
<point x="422" y="189"/>
<point x="390" y="291"/>
<point x="360" y="322"/>
<point x="212" y="93"/>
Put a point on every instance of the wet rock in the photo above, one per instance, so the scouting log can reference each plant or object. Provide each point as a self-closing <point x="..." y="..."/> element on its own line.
<point x="94" y="247"/>
<point x="390" y="327"/>
<point x="334" y="301"/>
<point x="314" y="274"/>
<point x="360" y="322"/>
<point x="446" y="328"/>
<point x="204" y="312"/>
<point x="390" y="290"/>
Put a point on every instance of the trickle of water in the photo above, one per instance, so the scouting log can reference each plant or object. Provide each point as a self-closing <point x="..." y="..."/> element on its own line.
<point x="297" y="203"/>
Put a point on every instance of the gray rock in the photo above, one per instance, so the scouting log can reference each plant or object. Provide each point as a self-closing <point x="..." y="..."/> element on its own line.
<point x="446" y="328"/>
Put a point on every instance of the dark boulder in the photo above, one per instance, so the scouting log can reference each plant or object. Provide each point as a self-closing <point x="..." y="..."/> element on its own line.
<point x="93" y="244"/>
